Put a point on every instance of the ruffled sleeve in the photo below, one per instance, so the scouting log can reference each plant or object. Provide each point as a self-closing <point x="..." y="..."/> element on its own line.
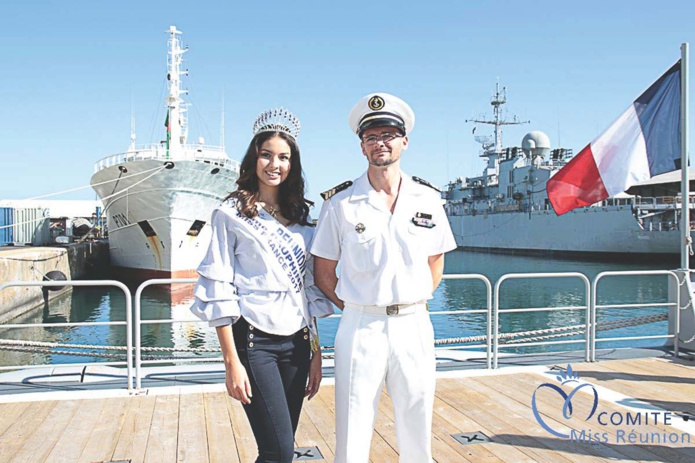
<point x="318" y="305"/>
<point x="216" y="299"/>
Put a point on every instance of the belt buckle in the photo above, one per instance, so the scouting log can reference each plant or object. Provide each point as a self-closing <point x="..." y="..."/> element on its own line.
<point x="392" y="309"/>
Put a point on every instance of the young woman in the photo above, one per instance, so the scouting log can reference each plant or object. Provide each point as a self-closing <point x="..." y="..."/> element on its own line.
<point x="256" y="287"/>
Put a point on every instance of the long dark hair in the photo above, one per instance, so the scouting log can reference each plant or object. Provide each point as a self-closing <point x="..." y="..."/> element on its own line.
<point x="293" y="205"/>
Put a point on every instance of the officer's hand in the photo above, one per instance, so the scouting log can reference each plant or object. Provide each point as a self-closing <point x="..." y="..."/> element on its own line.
<point x="237" y="382"/>
<point x="315" y="375"/>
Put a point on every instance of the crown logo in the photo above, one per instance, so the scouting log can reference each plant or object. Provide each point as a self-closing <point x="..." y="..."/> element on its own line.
<point x="277" y="120"/>
<point x="568" y="376"/>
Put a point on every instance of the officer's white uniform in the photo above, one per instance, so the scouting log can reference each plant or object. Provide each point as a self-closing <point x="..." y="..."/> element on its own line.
<point x="384" y="270"/>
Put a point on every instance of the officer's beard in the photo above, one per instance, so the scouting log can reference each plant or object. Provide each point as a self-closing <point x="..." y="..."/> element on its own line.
<point x="383" y="161"/>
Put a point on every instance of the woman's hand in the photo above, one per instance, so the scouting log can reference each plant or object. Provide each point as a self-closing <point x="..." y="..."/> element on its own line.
<point x="315" y="375"/>
<point x="237" y="382"/>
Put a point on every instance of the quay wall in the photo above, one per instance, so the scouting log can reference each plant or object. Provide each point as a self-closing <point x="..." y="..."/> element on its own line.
<point x="86" y="260"/>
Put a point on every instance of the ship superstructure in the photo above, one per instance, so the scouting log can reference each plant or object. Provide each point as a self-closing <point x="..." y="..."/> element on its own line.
<point x="158" y="199"/>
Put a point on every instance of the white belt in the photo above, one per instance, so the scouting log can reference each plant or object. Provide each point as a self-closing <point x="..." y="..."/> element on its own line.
<point x="394" y="309"/>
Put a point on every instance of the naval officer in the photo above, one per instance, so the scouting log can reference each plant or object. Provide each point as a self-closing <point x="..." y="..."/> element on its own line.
<point x="389" y="232"/>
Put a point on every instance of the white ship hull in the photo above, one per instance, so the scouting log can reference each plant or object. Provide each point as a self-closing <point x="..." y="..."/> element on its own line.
<point x="149" y="221"/>
<point x="158" y="200"/>
<point x="596" y="230"/>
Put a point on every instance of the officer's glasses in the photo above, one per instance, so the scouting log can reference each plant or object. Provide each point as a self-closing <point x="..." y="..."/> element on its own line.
<point x="386" y="137"/>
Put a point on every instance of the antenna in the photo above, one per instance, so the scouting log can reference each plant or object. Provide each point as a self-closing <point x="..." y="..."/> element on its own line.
<point x="222" y="123"/>
<point x="132" y="124"/>
<point x="499" y="98"/>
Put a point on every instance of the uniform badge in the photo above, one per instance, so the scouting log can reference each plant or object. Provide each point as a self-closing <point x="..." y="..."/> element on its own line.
<point x="423" y="220"/>
<point x="360" y="228"/>
<point x="376" y="103"/>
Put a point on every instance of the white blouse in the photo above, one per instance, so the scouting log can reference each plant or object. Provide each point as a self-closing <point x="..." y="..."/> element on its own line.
<point x="239" y="277"/>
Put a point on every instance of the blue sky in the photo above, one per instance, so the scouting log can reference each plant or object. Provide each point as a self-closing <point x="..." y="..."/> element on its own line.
<point x="72" y="70"/>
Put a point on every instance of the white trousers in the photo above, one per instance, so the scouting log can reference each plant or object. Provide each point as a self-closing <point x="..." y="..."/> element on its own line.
<point x="371" y="349"/>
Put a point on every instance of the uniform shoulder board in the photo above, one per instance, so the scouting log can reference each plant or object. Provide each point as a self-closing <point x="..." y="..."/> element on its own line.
<point x="426" y="183"/>
<point x="336" y="189"/>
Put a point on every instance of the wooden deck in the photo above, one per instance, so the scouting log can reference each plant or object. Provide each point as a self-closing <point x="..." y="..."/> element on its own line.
<point x="211" y="427"/>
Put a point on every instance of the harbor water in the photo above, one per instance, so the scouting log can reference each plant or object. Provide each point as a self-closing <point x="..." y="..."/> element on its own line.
<point x="102" y="304"/>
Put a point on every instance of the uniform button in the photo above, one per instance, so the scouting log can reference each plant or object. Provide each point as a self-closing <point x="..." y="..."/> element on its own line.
<point x="251" y="336"/>
<point x="306" y="329"/>
<point x="306" y="336"/>
<point x="250" y="328"/>
<point x="250" y="344"/>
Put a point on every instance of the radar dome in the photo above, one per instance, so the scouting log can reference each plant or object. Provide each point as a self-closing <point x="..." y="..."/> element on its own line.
<point x="536" y="143"/>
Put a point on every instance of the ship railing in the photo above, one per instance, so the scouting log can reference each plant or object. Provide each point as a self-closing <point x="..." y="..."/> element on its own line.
<point x="138" y="322"/>
<point x="7" y="344"/>
<point x="483" y="341"/>
<point x="204" y="153"/>
<point x="591" y="302"/>
<point x="673" y="302"/>
<point x="499" y="310"/>
<point x="660" y="202"/>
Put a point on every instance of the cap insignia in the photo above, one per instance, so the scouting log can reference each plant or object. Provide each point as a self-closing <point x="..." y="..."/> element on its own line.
<point x="336" y="189"/>
<point x="376" y="103"/>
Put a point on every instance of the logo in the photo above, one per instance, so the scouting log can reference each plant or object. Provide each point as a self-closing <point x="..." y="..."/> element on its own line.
<point x="620" y="427"/>
<point x="565" y="378"/>
<point x="376" y="103"/>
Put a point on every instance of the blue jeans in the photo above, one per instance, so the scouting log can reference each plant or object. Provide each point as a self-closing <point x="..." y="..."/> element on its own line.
<point x="278" y="368"/>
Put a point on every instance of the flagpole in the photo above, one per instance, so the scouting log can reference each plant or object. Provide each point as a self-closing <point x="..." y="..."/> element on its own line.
<point x="685" y="183"/>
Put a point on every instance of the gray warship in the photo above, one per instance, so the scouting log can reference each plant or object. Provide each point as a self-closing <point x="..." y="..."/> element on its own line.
<point x="506" y="209"/>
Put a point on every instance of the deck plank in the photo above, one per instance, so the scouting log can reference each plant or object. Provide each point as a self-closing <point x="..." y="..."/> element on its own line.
<point x="135" y="431"/>
<point x="444" y="447"/>
<point x="450" y="420"/>
<point x="247" y="449"/>
<point x="192" y="434"/>
<point x="321" y="411"/>
<point x="80" y="428"/>
<point x="525" y="385"/>
<point x="483" y="409"/>
<point x="25" y="427"/>
<point x="161" y="443"/>
<point x="308" y="435"/>
<point x="646" y="381"/>
<point x="48" y="433"/>
<point x="383" y="446"/>
<point x="211" y="427"/>
<point x="628" y="452"/>
<point x="103" y="438"/>
<point x="9" y="413"/>
<point x="221" y="441"/>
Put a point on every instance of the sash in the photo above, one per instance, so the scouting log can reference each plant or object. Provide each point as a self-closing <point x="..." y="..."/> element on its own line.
<point x="285" y="254"/>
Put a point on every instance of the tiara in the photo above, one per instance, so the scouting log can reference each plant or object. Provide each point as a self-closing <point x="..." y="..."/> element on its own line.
<point x="277" y="120"/>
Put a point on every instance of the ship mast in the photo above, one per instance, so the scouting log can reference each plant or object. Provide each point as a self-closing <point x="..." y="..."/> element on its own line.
<point x="498" y="99"/>
<point x="176" y="122"/>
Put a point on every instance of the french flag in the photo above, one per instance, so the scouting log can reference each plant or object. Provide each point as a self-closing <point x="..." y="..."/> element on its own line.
<point x="643" y="142"/>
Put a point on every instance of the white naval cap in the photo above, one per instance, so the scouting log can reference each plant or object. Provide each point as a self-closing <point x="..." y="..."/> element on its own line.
<point x="381" y="109"/>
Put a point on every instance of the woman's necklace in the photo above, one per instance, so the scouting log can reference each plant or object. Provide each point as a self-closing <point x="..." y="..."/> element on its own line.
<point x="271" y="210"/>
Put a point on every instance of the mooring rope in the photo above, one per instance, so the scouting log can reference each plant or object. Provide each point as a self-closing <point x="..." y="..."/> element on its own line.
<point x="509" y="338"/>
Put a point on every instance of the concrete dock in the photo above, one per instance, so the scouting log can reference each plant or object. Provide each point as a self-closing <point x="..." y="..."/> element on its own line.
<point x="85" y="260"/>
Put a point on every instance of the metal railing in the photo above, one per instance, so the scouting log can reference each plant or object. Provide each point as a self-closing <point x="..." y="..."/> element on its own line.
<point x="203" y="153"/>
<point x="517" y="276"/>
<point x="487" y="311"/>
<point x="128" y="323"/>
<point x="137" y="315"/>
<point x="595" y="307"/>
<point x="491" y="342"/>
